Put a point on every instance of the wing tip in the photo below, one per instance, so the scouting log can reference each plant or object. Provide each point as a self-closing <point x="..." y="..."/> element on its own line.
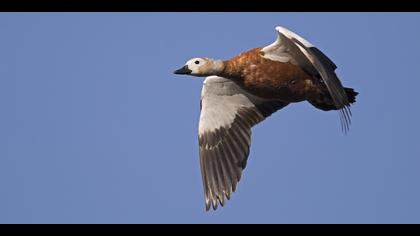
<point x="222" y="199"/>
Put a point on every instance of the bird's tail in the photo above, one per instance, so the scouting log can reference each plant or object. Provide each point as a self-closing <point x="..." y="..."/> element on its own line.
<point x="326" y="103"/>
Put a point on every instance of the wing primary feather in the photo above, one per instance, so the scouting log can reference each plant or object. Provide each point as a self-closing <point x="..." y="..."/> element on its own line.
<point x="234" y="159"/>
<point x="210" y="176"/>
<point x="205" y="180"/>
<point x="226" y="172"/>
<point x="220" y="176"/>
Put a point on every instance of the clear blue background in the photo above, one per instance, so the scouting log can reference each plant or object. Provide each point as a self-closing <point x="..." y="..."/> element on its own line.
<point x="95" y="128"/>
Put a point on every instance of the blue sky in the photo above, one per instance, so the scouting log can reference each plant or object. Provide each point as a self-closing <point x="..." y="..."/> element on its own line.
<point x="95" y="128"/>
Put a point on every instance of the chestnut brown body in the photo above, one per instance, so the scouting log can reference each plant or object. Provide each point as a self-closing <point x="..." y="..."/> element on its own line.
<point x="271" y="79"/>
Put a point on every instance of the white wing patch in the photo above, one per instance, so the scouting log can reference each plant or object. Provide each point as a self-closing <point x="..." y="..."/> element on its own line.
<point x="285" y="49"/>
<point x="277" y="51"/>
<point x="220" y="101"/>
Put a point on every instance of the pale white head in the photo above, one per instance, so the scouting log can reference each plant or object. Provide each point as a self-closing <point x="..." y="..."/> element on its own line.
<point x="200" y="66"/>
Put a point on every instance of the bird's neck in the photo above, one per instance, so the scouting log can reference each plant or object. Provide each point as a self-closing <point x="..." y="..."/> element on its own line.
<point x="231" y="70"/>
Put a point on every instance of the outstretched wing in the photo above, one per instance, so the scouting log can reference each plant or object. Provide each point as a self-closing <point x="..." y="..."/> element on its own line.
<point x="290" y="47"/>
<point x="227" y="116"/>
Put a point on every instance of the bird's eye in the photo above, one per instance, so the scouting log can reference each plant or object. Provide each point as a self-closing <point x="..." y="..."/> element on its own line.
<point x="197" y="62"/>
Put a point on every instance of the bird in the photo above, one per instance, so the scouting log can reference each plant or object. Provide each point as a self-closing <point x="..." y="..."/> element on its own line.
<point x="243" y="91"/>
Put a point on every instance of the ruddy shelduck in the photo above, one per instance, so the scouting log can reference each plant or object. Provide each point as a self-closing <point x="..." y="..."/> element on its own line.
<point x="241" y="92"/>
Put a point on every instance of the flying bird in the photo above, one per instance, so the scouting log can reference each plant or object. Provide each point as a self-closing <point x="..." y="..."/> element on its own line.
<point x="241" y="92"/>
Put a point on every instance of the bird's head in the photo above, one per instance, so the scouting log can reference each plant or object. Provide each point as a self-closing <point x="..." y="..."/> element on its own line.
<point x="201" y="67"/>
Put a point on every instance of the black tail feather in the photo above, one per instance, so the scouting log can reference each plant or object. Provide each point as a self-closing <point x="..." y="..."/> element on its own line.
<point x="326" y="103"/>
